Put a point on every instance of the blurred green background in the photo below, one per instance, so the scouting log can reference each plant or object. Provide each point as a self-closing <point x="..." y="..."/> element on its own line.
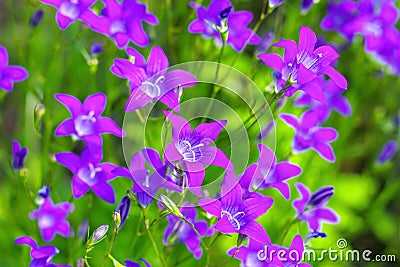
<point x="366" y="196"/>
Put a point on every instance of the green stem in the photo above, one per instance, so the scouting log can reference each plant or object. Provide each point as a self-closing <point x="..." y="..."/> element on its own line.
<point x="287" y="228"/>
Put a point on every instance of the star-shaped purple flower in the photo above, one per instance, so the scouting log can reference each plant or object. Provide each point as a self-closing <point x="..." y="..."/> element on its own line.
<point x="236" y="215"/>
<point x="179" y="231"/>
<point x="150" y="81"/>
<point x="123" y="22"/>
<point x="86" y="121"/>
<point x="89" y="173"/>
<point x="69" y="11"/>
<point x="269" y="173"/>
<point x="302" y="64"/>
<point x="312" y="209"/>
<point x="51" y="218"/>
<point x="310" y="136"/>
<point x="145" y="184"/>
<point x="18" y="155"/>
<point x="190" y="149"/>
<point x="334" y="98"/>
<point x="219" y="15"/>
<point x="9" y="73"/>
<point x="41" y="256"/>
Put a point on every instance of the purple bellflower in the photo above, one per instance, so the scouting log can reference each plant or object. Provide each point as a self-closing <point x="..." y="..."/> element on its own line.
<point x="123" y="208"/>
<point x="89" y="173"/>
<point x="130" y="263"/>
<point x="145" y="184"/>
<point x="9" y="73"/>
<point x="181" y="232"/>
<point x="150" y="81"/>
<point x="18" y="155"/>
<point x="302" y="64"/>
<point x="311" y="207"/>
<point x="220" y="17"/>
<point x="310" y="136"/>
<point x="339" y="17"/>
<point x="387" y="152"/>
<point x="86" y="122"/>
<point x="41" y="256"/>
<point x="334" y="98"/>
<point x="269" y="173"/>
<point x="190" y="149"/>
<point x="236" y="215"/>
<point x="123" y="22"/>
<point x="51" y="218"/>
<point x="69" y="11"/>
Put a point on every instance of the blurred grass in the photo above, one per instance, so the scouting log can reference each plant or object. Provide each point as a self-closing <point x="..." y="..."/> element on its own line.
<point x="365" y="195"/>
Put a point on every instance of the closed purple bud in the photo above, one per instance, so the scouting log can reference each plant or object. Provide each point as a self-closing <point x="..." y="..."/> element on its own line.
<point x="36" y="18"/>
<point x="321" y="196"/>
<point x="306" y="5"/>
<point x="99" y="233"/>
<point x="96" y="49"/>
<point x="387" y="152"/>
<point x="83" y="229"/>
<point x="225" y="13"/>
<point x="144" y="198"/>
<point x="44" y="192"/>
<point x="18" y="155"/>
<point x="123" y="208"/>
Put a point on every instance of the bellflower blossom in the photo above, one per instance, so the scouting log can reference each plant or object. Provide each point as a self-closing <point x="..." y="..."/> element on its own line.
<point x="219" y="17"/>
<point x="69" y="11"/>
<point x="302" y="64"/>
<point x="269" y="173"/>
<point x="310" y="136"/>
<point x="145" y="184"/>
<point x="18" y="155"/>
<point x="181" y="232"/>
<point x="86" y="122"/>
<point x="236" y="215"/>
<point x="312" y="209"/>
<point x="150" y="81"/>
<point x="51" y="218"/>
<point x="123" y="22"/>
<point x="387" y="152"/>
<point x="41" y="256"/>
<point x="89" y="173"/>
<point x="334" y="98"/>
<point x="123" y="208"/>
<point x="9" y="73"/>
<point x="190" y="149"/>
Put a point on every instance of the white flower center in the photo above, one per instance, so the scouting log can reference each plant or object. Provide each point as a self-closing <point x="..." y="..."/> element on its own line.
<point x="152" y="89"/>
<point x="84" y="124"/>
<point x="190" y="153"/>
<point x="70" y="9"/>
<point x="117" y="26"/>
<point x="233" y="219"/>
<point x="88" y="174"/>
<point x="46" y="221"/>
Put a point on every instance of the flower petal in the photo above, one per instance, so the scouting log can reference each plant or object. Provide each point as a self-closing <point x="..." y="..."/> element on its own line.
<point x="224" y="226"/>
<point x="336" y="77"/>
<point x="210" y="130"/>
<point x="3" y="57"/>
<point x="255" y="231"/>
<point x="66" y="127"/>
<point x="16" y="73"/>
<point x="256" y="207"/>
<point x="180" y="126"/>
<point x="272" y="60"/>
<point x="157" y="61"/>
<point x="105" y="192"/>
<point x="71" y="103"/>
<point x="69" y="160"/>
<point x="289" y="119"/>
<point x="307" y="40"/>
<point x="107" y="125"/>
<point x="79" y="188"/>
<point x="96" y="102"/>
<point x="137" y="100"/>
<point x="211" y="205"/>
<point x="325" y="151"/>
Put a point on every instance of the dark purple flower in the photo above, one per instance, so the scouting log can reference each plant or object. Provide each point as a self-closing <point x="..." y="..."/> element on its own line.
<point x="145" y="184"/>
<point x="123" y="22"/>
<point x="89" y="173"/>
<point x="86" y="121"/>
<point x="18" y="155"/>
<point x="220" y="17"/>
<point x="150" y="81"/>
<point x="69" y="11"/>
<point x="9" y="73"/>
<point x="181" y="232"/>
<point x="51" y="219"/>
<point x="190" y="149"/>
<point x="236" y="215"/>
<point x="41" y="256"/>
<point x="334" y="101"/>
<point x="123" y="208"/>
<point x="387" y="152"/>
<point x="310" y="136"/>
<point x="311" y="207"/>
<point x="96" y="49"/>
<point x="338" y="17"/>
<point x="44" y="192"/>
<point x="130" y="263"/>
<point x="36" y="18"/>
<point x="302" y="64"/>
<point x="269" y="173"/>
